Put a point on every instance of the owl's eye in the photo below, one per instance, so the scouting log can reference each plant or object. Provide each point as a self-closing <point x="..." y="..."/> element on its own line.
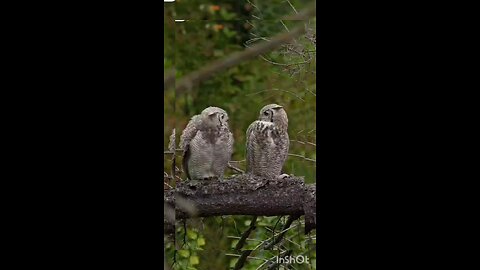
<point x="222" y="116"/>
<point x="265" y="112"/>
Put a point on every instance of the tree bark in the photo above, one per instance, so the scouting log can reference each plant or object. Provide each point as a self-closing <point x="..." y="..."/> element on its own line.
<point x="243" y="195"/>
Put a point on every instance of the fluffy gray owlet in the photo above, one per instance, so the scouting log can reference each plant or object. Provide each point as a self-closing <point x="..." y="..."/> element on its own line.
<point x="268" y="142"/>
<point x="207" y="145"/>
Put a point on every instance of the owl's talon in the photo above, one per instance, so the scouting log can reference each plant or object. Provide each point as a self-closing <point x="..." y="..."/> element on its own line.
<point x="283" y="176"/>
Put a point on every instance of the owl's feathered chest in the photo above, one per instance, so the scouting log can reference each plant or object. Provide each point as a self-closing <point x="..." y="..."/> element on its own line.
<point x="267" y="148"/>
<point x="269" y="134"/>
<point x="214" y="136"/>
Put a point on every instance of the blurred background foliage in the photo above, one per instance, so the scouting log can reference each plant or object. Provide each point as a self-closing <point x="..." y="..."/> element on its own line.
<point x="214" y="30"/>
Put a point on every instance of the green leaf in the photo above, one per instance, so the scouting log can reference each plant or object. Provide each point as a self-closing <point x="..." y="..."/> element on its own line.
<point x="233" y="262"/>
<point x="201" y="241"/>
<point x="191" y="234"/>
<point x="184" y="253"/>
<point x="194" y="260"/>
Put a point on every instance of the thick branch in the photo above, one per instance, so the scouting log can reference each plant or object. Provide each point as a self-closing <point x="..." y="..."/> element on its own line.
<point x="247" y="195"/>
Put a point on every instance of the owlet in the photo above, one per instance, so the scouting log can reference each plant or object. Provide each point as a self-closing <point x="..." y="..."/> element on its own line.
<point x="268" y="142"/>
<point x="207" y="145"/>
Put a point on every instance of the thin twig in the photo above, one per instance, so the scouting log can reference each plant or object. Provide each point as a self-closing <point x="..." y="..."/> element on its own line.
<point x="303" y="142"/>
<point x="248" y="239"/>
<point x="286" y="238"/>
<point x="284" y="65"/>
<point x="292" y="7"/>
<point x="250" y="2"/>
<point x="285" y="228"/>
<point x="274" y="227"/>
<point x="255" y="39"/>
<point x="268" y="239"/>
<point x="311" y="92"/>
<point x="308" y="159"/>
<point x="276" y="89"/>
<point x="169" y="187"/>
<point x="235" y="168"/>
<point x="305" y="14"/>
<point x="269" y="260"/>
<point x="249" y="257"/>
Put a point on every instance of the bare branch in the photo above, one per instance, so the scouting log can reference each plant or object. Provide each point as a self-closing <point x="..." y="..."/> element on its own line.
<point x="292" y="7"/>
<point x="244" y="195"/>
<point x="243" y="258"/>
<point x="284" y="65"/>
<point x="308" y="159"/>
<point x="286" y="28"/>
<point x="245" y="235"/>
<point x="276" y="89"/>
<point x="235" y="168"/>
<point x="305" y="14"/>
<point x="284" y="230"/>
<point x="300" y="142"/>
<point x="168" y="186"/>
<point x="310" y="91"/>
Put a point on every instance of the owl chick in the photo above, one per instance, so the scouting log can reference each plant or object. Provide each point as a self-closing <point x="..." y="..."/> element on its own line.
<point x="207" y="145"/>
<point x="268" y="142"/>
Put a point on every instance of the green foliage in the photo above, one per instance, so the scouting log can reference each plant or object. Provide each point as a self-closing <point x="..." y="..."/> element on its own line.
<point x="218" y="236"/>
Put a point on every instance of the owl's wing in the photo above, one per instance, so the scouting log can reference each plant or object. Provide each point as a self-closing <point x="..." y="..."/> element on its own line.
<point x="250" y="141"/>
<point x="230" y="144"/>
<point x="285" y="145"/>
<point x="187" y="135"/>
